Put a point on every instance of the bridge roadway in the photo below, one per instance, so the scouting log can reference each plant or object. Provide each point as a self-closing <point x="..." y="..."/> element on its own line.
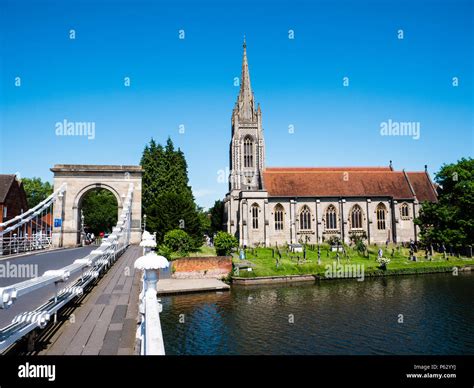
<point x="42" y="261"/>
<point x="103" y="321"/>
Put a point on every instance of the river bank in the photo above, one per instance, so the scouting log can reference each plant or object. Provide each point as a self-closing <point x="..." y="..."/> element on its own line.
<point x="380" y="273"/>
<point x="265" y="265"/>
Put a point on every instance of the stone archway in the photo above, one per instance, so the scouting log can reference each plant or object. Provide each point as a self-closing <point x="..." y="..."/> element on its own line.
<point x="83" y="194"/>
<point x="80" y="179"/>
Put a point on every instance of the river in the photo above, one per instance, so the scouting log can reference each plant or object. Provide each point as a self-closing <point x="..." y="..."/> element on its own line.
<point x="404" y="315"/>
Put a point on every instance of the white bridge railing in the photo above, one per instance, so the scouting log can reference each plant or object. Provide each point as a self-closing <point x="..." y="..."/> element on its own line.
<point x="30" y="230"/>
<point x="149" y="331"/>
<point x="17" y="244"/>
<point x="83" y="272"/>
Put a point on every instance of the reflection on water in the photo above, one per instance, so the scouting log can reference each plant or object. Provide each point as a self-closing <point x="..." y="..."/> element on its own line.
<point x="331" y="317"/>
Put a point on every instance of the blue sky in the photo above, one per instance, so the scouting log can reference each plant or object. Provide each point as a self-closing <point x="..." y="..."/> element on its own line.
<point x="190" y="82"/>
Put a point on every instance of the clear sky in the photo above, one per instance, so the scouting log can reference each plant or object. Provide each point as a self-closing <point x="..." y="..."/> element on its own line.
<point x="190" y="82"/>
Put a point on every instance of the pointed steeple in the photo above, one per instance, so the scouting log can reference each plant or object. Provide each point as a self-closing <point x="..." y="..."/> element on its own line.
<point x="245" y="102"/>
<point x="247" y="147"/>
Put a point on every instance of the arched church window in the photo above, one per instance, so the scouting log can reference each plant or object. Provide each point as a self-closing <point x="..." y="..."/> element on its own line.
<point x="404" y="212"/>
<point x="331" y="218"/>
<point x="356" y="217"/>
<point x="305" y="218"/>
<point x="248" y="152"/>
<point x="255" y="216"/>
<point x="381" y="215"/>
<point x="279" y="217"/>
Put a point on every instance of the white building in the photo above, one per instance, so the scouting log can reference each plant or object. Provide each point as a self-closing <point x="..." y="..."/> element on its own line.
<point x="278" y="205"/>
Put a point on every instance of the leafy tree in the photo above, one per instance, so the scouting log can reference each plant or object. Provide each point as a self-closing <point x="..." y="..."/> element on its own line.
<point x="36" y="190"/>
<point x="174" y="211"/>
<point x="224" y="242"/>
<point x="168" y="201"/>
<point x="205" y="220"/>
<point x="100" y="211"/>
<point x="450" y="221"/>
<point x="217" y="217"/>
<point x="178" y="241"/>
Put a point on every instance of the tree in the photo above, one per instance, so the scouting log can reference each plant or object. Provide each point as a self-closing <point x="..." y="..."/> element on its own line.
<point x="224" y="242"/>
<point x="168" y="201"/>
<point x="205" y="220"/>
<point x="36" y="190"/>
<point x="450" y="221"/>
<point x="100" y="211"/>
<point x="217" y="217"/>
<point x="178" y="241"/>
<point x="174" y="211"/>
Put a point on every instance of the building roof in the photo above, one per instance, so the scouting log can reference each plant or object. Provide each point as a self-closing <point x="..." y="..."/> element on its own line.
<point x="6" y="181"/>
<point x="422" y="186"/>
<point x="347" y="182"/>
<point x="309" y="169"/>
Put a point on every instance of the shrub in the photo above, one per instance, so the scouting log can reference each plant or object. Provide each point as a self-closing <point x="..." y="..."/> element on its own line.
<point x="224" y="242"/>
<point x="178" y="241"/>
<point x="360" y="247"/>
<point x="383" y="262"/>
<point x="357" y="239"/>
<point x="165" y="251"/>
<point x="334" y="241"/>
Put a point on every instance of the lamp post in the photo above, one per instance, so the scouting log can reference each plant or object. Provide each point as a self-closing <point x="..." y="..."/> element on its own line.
<point x="148" y="244"/>
<point x="144" y="222"/>
<point x="60" y="203"/>
<point x="82" y="228"/>
<point x="151" y="263"/>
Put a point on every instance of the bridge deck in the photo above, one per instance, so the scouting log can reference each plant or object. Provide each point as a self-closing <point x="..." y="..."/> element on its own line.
<point x="106" y="321"/>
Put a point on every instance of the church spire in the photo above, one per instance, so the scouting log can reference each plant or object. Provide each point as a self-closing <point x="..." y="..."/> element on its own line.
<point x="245" y="100"/>
<point x="247" y="147"/>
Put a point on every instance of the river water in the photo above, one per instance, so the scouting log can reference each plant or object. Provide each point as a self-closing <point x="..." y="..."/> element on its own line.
<point x="409" y="315"/>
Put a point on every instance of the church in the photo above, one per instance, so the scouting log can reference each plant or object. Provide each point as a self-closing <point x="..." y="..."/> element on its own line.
<point x="279" y="205"/>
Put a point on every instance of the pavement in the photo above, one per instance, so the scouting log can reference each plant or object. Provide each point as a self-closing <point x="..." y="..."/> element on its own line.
<point x="105" y="320"/>
<point x="179" y="286"/>
<point x="37" y="264"/>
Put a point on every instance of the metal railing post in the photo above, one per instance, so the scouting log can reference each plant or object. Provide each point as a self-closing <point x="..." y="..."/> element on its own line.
<point x="149" y="332"/>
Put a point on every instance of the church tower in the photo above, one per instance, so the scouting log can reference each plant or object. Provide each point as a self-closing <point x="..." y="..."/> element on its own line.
<point x="247" y="147"/>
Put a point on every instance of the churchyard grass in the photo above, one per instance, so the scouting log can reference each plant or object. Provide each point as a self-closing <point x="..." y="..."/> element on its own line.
<point x="263" y="264"/>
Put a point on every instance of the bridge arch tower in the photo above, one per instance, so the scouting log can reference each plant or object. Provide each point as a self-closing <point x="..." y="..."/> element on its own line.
<point x="79" y="180"/>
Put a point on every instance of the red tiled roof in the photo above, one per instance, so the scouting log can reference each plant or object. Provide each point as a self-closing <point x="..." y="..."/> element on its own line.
<point x="422" y="186"/>
<point x="340" y="182"/>
<point x="309" y="169"/>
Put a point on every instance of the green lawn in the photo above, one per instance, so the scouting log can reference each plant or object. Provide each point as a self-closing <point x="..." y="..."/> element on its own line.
<point x="264" y="265"/>
<point x="204" y="251"/>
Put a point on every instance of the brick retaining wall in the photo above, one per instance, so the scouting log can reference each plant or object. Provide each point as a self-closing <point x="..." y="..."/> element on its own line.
<point x="202" y="267"/>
